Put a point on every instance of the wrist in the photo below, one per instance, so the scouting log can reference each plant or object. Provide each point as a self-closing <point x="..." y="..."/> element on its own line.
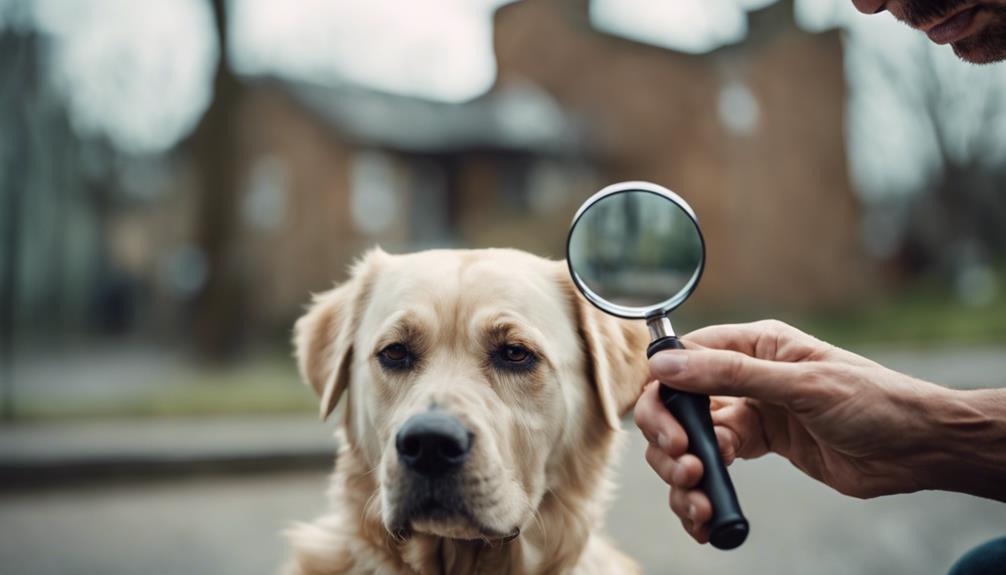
<point x="967" y="442"/>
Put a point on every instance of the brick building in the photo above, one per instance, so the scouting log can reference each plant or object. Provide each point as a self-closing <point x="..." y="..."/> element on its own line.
<point x="751" y="134"/>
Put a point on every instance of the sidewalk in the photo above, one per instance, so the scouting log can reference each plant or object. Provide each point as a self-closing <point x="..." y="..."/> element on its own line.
<point x="47" y="453"/>
<point x="961" y="367"/>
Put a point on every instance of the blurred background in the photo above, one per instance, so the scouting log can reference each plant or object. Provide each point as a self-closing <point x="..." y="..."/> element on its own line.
<point x="177" y="176"/>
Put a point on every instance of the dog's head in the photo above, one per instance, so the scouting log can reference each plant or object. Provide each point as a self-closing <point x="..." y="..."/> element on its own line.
<point x="471" y="379"/>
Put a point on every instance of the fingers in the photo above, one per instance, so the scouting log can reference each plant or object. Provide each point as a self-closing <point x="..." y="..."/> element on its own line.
<point x="728" y="442"/>
<point x="694" y="510"/>
<point x="759" y="339"/>
<point x="657" y="424"/>
<point x="683" y="472"/>
<point x="768" y="339"/>
<point x="741" y="429"/>
<point x="690" y="505"/>
<point x="719" y="372"/>
<point x="666" y="454"/>
<point x="719" y="402"/>
<point x="668" y="440"/>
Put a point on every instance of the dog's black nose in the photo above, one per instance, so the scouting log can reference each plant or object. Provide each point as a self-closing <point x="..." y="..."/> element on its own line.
<point x="433" y="443"/>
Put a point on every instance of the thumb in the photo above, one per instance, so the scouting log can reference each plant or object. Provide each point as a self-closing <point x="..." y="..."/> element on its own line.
<point x="721" y="372"/>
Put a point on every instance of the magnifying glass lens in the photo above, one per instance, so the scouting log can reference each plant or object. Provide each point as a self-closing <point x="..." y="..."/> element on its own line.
<point x="636" y="251"/>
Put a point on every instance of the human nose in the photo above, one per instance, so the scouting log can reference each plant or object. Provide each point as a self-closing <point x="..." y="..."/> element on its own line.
<point x="870" y="6"/>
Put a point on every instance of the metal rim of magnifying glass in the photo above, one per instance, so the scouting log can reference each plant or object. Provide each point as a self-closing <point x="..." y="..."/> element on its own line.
<point x="628" y="312"/>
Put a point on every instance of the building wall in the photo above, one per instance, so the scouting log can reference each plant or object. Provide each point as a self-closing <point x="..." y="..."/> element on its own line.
<point x="775" y="203"/>
<point x="298" y="228"/>
<point x="332" y="193"/>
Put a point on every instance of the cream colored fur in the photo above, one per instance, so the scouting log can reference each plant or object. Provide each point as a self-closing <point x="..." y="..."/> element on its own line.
<point x="544" y="440"/>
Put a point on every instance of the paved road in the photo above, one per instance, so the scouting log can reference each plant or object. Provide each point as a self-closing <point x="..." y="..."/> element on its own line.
<point x="231" y="526"/>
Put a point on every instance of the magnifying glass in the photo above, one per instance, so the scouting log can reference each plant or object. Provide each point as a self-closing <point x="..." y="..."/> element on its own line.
<point x="635" y="251"/>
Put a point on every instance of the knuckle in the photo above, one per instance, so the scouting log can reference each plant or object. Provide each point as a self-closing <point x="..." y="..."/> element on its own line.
<point x="828" y="375"/>
<point x="694" y="475"/>
<point x="691" y="471"/>
<point x="672" y="501"/>
<point x="728" y="453"/>
<point x="734" y="369"/>
<point x="661" y="464"/>
<point x="781" y="328"/>
<point x="814" y="374"/>
<point x="640" y="416"/>
<point x="678" y="504"/>
<point x="775" y="332"/>
<point x="650" y="440"/>
<point x="654" y="457"/>
<point x="677" y="443"/>
<point x="771" y="326"/>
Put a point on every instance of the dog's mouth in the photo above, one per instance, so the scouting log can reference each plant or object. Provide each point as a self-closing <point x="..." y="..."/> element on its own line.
<point x="437" y="508"/>
<point x="452" y="525"/>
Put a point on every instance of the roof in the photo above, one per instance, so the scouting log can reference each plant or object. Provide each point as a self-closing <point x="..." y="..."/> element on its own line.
<point x="515" y="118"/>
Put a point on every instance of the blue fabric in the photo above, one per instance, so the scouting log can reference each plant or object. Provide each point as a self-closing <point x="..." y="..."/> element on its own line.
<point x="986" y="559"/>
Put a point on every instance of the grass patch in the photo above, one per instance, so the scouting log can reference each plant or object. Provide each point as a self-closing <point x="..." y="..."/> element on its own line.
<point x="262" y="387"/>
<point x="924" y="316"/>
<point x="917" y="320"/>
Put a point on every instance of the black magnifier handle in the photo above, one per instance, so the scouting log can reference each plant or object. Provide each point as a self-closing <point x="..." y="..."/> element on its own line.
<point x="728" y="528"/>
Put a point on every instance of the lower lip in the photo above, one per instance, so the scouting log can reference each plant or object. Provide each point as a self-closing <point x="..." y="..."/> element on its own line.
<point x="953" y="29"/>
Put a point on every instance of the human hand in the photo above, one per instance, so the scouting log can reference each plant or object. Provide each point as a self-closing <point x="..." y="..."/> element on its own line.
<point x="846" y="421"/>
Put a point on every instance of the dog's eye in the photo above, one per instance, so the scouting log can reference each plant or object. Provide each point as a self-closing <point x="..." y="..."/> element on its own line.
<point x="395" y="356"/>
<point x="514" y="357"/>
<point x="395" y="352"/>
<point x="516" y="354"/>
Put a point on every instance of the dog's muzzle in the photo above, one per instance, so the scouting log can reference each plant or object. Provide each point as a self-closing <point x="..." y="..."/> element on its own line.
<point x="433" y="447"/>
<point x="433" y="444"/>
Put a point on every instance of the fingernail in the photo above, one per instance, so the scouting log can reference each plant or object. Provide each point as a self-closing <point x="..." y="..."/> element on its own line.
<point x="669" y="363"/>
<point x="662" y="442"/>
<point x="691" y="512"/>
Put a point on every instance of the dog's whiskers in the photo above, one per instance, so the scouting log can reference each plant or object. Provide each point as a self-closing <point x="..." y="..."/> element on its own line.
<point x="566" y="509"/>
<point x="540" y="523"/>
<point x="559" y="500"/>
<point x="370" y="507"/>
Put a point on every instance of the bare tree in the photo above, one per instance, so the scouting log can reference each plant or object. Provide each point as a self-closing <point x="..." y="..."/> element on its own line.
<point x="17" y="50"/>
<point x="220" y="304"/>
<point x="957" y="216"/>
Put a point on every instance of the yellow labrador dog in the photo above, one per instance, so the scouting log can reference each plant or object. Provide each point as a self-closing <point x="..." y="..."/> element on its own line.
<point x="481" y="403"/>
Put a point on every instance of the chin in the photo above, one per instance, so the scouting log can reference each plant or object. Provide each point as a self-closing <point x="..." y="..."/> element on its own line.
<point x="450" y="525"/>
<point x="979" y="54"/>
<point x="987" y="46"/>
<point x="453" y="528"/>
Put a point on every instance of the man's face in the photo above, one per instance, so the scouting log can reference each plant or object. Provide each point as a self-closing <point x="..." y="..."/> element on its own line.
<point x="976" y="29"/>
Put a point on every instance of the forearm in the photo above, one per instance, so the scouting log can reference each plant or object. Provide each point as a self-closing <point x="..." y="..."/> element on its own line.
<point x="969" y="435"/>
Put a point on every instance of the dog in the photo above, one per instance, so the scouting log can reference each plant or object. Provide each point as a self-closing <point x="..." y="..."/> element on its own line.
<point x="480" y="399"/>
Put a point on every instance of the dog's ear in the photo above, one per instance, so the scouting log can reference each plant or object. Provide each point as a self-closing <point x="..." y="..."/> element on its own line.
<point x="616" y="356"/>
<point x="323" y="337"/>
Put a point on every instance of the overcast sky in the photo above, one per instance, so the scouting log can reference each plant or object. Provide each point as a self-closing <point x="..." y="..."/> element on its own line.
<point x="139" y="70"/>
